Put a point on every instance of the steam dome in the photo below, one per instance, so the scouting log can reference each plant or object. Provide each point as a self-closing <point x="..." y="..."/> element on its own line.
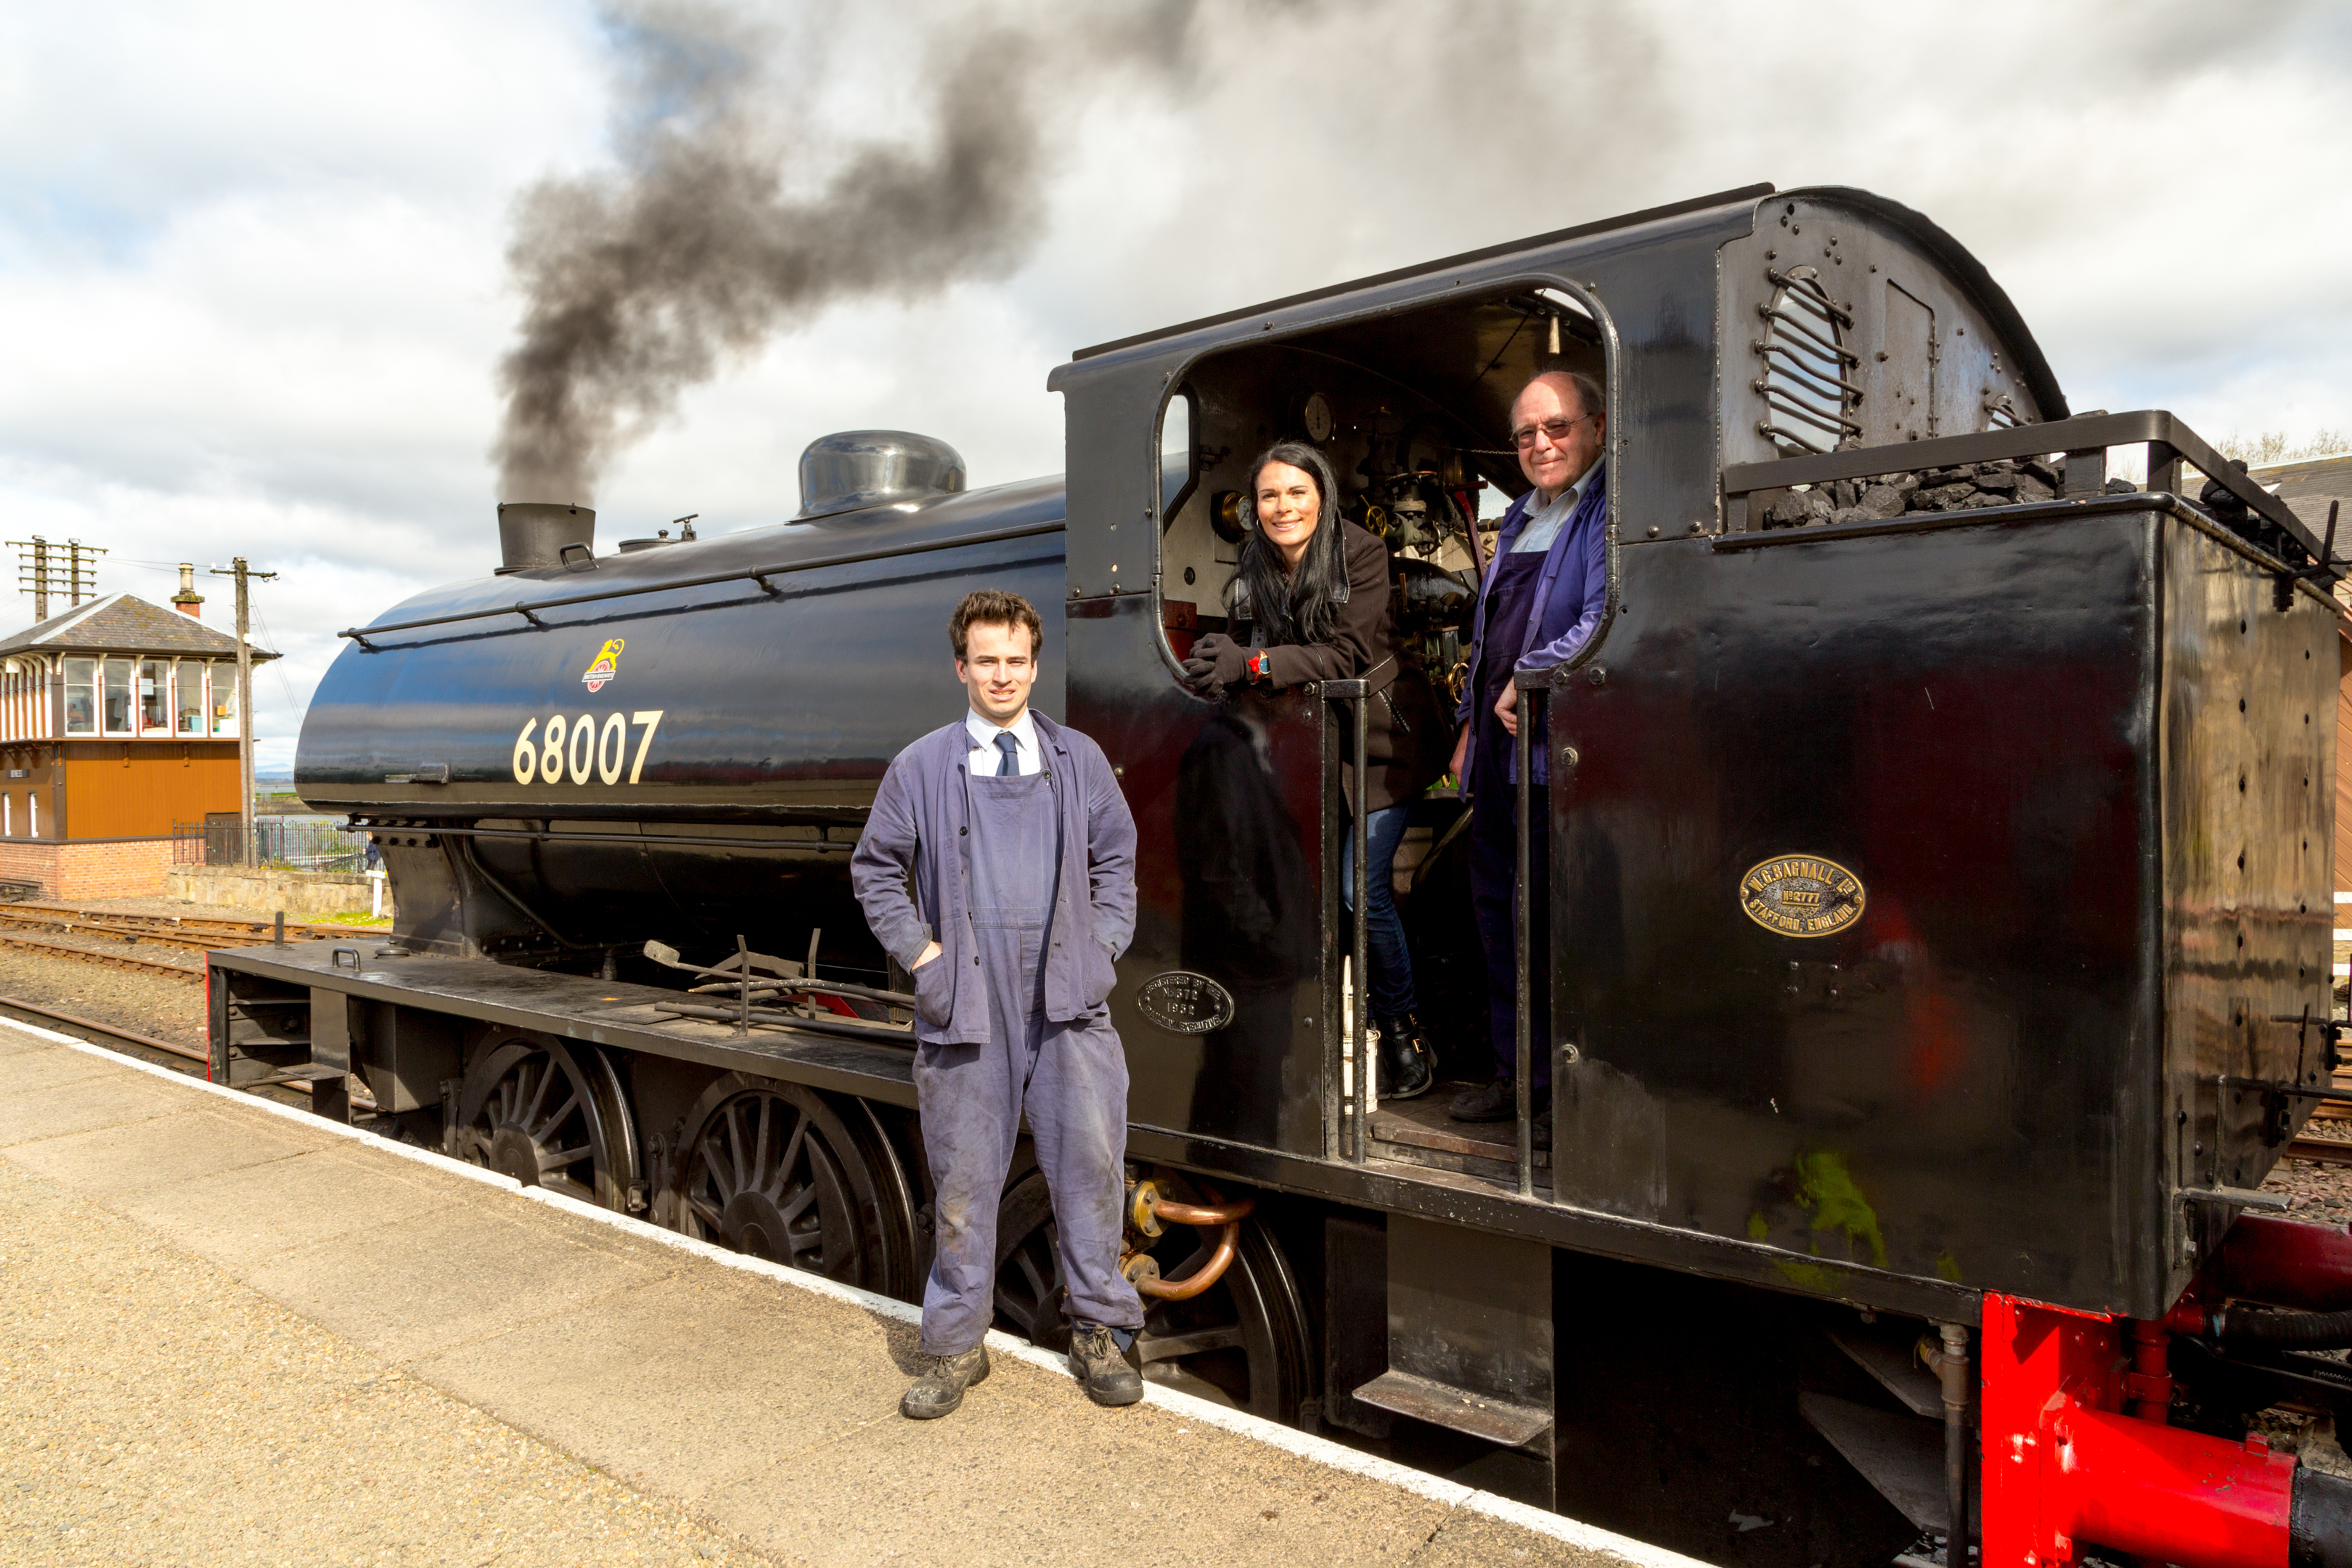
<point x="853" y="470"/>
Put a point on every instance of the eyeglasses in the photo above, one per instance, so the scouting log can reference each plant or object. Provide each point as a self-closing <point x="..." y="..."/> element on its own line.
<point x="1555" y="430"/>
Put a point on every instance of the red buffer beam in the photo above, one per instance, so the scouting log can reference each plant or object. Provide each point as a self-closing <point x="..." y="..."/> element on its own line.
<point x="2066" y="1469"/>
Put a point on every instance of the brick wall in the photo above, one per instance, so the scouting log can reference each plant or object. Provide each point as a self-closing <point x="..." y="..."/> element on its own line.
<point x="105" y="868"/>
<point x="114" y="868"/>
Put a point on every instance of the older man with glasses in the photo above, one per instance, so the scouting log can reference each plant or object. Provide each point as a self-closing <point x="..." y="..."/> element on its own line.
<point x="1542" y="599"/>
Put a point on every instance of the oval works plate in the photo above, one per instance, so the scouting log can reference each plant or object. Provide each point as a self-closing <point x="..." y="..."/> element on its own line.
<point x="1184" y="1003"/>
<point x="1802" y="894"/>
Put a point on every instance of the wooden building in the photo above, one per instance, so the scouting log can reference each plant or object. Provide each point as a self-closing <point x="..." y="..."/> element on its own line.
<point x="118" y="721"/>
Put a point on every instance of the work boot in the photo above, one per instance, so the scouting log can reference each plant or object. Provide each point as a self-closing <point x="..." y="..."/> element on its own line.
<point x="939" y="1389"/>
<point x="1102" y="1366"/>
<point x="1404" y="1058"/>
<point x="1499" y="1101"/>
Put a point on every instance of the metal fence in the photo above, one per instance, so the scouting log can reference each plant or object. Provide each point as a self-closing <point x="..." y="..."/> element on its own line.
<point x="301" y="843"/>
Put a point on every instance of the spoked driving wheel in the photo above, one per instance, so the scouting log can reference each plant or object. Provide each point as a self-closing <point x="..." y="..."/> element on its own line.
<point x="551" y="1114"/>
<point x="1244" y="1342"/>
<point x="1032" y="1300"/>
<point x="774" y="1169"/>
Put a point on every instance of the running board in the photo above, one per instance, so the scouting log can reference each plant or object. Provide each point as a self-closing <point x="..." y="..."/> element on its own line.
<point x="1458" y="1409"/>
<point x="1470" y="1333"/>
<point x="1901" y="1456"/>
<point x="1893" y="1361"/>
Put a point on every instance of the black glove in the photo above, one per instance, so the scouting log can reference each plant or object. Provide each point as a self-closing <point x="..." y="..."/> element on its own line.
<point x="1217" y="662"/>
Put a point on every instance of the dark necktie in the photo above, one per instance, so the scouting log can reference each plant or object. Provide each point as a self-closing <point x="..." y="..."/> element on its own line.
<point x="1010" y="768"/>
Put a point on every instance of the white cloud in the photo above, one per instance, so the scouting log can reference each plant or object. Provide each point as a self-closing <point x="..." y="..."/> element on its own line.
<point x="253" y="291"/>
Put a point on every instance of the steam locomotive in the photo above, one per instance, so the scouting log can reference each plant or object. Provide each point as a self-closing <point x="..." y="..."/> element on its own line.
<point x="1940" y="910"/>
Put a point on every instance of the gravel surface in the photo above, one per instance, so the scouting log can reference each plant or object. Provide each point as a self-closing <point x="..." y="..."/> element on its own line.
<point x="2316" y="1190"/>
<point x="153" y="1410"/>
<point x="155" y="1004"/>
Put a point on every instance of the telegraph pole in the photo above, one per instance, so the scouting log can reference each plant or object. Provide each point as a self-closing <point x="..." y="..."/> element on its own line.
<point x="242" y="573"/>
<point x="41" y="574"/>
<point x="80" y="582"/>
<point x="40" y="569"/>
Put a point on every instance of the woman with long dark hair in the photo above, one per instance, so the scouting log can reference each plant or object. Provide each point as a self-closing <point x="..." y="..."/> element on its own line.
<point x="1310" y="602"/>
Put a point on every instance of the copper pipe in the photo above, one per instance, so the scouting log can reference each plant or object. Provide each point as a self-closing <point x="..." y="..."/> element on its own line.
<point x="1203" y="1215"/>
<point x="1218" y="1216"/>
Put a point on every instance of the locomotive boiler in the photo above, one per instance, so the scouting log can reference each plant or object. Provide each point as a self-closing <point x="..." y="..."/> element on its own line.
<point x="1938" y="894"/>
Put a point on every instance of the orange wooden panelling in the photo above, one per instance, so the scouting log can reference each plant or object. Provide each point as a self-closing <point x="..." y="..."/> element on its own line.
<point x="110" y="796"/>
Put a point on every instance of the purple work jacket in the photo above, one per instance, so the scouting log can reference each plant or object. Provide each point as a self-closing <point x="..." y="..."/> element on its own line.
<point x="922" y="808"/>
<point x="1571" y="595"/>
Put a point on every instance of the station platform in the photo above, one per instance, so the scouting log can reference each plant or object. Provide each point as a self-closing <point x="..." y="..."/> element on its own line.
<point x="231" y="1331"/>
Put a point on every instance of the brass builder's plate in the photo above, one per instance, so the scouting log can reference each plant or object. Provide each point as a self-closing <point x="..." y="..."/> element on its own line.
<point x="1802" y="894"/>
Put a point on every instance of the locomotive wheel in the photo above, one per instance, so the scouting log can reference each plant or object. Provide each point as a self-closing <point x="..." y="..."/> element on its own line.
<point x="775" y="1170"/>
<point x="1244" y="1342"/>
<point x="1031" y="1296"/>
<point x="550" y="1114"/>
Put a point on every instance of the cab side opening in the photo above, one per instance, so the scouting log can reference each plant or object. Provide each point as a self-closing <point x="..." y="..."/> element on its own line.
<point x="1413" y="410"/>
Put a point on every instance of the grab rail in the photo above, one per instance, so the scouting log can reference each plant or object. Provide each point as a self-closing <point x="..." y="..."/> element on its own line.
<point x="529" y="608"/>
<point x="2084" y="438"/>
<point x="1364" y="1100"/>
<point x="1534" y="687"/>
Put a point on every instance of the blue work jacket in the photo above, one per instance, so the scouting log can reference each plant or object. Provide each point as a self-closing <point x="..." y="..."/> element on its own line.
<point x="923" y="809"/>
<point x="1571" y="596"/>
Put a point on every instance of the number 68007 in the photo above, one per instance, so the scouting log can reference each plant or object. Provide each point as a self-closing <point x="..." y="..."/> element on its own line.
<point x="582" y="748"/>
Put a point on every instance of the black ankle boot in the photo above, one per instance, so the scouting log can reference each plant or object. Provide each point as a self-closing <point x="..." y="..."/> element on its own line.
<point x="1405" y="1058"/>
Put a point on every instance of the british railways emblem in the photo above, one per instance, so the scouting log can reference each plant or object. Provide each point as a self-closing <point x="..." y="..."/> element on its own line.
<point x="1801" y="895"/>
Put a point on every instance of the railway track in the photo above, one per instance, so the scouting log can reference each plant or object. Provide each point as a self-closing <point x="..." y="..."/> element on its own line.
<point x="98" y="955"/>
<point x="200" y="932"/>
<point x="108" y="1034"/>
<point x="120" y="1039"/>
<point x="183" y="933"/>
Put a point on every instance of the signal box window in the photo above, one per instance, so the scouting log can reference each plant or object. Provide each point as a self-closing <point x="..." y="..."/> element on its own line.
<point x="154" y="697"/>
<point x="118" y="697"/>
<point x="225" y="707"/>
<point x="189" y="715"/>
<point x="81" y="697"/>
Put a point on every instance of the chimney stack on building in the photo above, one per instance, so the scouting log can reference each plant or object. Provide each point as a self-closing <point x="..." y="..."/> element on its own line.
<point x="187" y="600"/>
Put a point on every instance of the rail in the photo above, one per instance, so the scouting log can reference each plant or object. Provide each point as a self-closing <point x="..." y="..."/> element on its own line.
<point x="1534" y="688"/>
<point x="529" y="609"/>
<point x="1347" y="1135"/>
<point x="2084" y="439"/>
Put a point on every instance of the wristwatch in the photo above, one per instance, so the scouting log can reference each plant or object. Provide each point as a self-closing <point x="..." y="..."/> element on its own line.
<point x="1259" y="666"/>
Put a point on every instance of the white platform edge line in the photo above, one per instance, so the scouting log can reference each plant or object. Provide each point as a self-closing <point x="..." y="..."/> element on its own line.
<point x="1303" y="1444"/>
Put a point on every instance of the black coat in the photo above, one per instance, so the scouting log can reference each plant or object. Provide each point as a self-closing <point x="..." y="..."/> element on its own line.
<point x="1407" y="739"/>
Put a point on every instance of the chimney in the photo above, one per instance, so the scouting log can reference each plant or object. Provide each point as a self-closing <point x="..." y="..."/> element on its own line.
<point x="187" y="600"/>
<point x="534" y="535"/>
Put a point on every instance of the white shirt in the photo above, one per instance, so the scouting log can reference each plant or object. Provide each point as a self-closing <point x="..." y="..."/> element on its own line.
<point x="986" y="759"/>
<point x="1543" y="525"/>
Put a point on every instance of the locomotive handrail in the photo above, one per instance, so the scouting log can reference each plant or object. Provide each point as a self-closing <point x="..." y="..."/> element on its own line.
<point x="1534" y="687"/>
<point x="1359" y="1097"/>
<point x="529" y="608"/>
<point x="2081" y="435"/>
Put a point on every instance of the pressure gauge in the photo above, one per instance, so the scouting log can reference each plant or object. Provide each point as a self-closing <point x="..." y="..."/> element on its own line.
<point x="1319" y="417"/>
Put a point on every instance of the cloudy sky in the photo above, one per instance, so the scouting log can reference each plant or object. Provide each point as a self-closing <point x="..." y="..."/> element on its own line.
<point x="256" y="288"/>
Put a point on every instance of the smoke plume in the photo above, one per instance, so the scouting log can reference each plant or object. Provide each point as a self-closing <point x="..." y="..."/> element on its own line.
<point x="637" y="282"/>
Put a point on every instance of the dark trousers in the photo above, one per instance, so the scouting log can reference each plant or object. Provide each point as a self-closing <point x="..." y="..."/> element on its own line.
<point x="1384" y="944"/>
<point x="1494" y="872"/>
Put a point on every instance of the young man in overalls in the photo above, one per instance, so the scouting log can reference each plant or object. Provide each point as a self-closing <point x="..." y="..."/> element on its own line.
<point x="1023" y="853"/>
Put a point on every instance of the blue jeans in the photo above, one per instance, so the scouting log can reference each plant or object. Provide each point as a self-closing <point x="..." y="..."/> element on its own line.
<point x="1391" y="979"/>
